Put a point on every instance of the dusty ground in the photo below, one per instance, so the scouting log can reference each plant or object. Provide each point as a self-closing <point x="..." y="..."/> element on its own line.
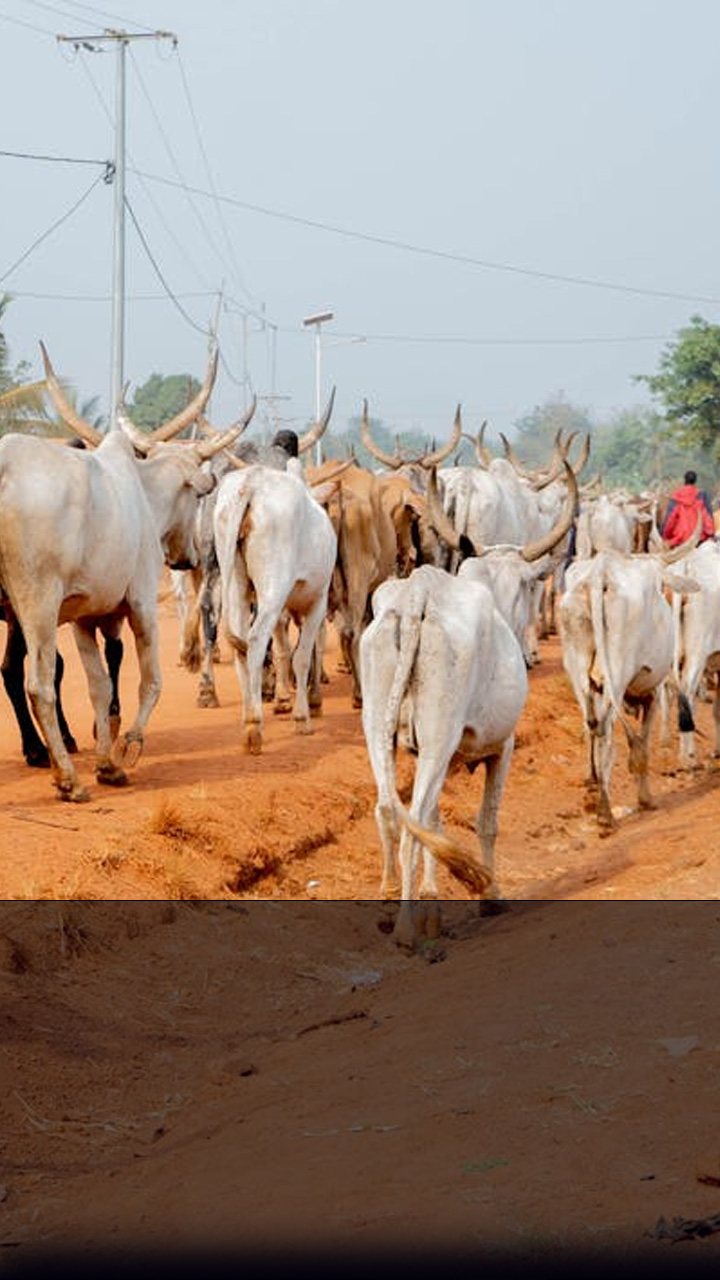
<point x="209" y="1039"/>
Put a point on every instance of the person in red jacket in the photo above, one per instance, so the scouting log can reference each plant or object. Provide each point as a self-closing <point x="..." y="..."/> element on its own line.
<point x="682" y="513"/>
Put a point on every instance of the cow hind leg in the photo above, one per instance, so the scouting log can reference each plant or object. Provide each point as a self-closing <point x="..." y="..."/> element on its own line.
<point x="302" y="661"/>
<point x="13" y="673"/>
<point x="114" y="650"/>
<point x="107" y="771"/>
<point x="41" y="655"/>
<point x="210" y="611"/>
<point x="639" y="753"/>
<point x="602" y="756"/>
<point x="280" y="648"/>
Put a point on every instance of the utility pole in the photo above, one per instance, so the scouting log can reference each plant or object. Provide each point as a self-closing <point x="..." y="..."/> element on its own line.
<point x="93" y="43"/>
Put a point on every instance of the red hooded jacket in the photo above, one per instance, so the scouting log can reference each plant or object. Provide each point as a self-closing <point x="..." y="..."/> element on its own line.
<point x="681" y="518"/>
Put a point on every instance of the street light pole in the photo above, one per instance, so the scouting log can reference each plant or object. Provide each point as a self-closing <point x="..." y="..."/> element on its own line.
<point x="318" y="321"/>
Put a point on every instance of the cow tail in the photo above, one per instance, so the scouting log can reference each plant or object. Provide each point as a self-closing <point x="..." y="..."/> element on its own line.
<point x="226" y="556"/>
<point x="599" y="624"/>
<point x="409" y="630"/>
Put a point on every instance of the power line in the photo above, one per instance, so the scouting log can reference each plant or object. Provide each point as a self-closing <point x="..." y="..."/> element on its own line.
<point x="86" y="8"/>
<point x="58" y="222"/>
<point x="218" y="206"/>
<point x="407" y="246"/>
<point x="26" y="155"/>
<point x="105" y="298"/>
<point x="173" y="298"/>
<point x="446" y="255"/>
<point x="29" y="26"/>
<point x="171" y="155"/>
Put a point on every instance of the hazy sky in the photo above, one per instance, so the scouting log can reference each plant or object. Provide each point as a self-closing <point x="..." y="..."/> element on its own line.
<point x="499" y="201"/>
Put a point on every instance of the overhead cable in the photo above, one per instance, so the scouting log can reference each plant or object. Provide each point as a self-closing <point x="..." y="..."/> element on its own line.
<point x="58" y="222"/>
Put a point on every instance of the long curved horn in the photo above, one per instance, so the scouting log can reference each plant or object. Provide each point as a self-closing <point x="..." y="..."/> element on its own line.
<point x="393" y="461"/>
<point x="206" y="449"/>
<point x="513" y="458"/>
<point x="670" y="554"/>
<point x="482" y="453"/>
<point x="175" y="425"/>
<point x="82" y="428"/>
<point x="333" y="473"/>
<point x="584" y="455"/>
<point x="534" y="550"/>
<point x="143" y="443"/>
<point x="592" y="486"/>
<point x="434" y="459"/>
<point x="312" y="436"/>
<point x="439" y="519"/>
<point x="239" y="425"/>
<point x="139" y="440"/>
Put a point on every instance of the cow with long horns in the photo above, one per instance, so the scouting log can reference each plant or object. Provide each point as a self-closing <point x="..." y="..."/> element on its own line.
<point x="84" y="535"/>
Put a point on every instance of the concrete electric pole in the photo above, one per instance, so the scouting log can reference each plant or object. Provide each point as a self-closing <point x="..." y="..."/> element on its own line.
<point x="121" y="39"/>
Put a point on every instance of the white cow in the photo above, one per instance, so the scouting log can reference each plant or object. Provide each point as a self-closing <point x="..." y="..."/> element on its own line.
<point x="514" y="574"/>
<point x="443" y="673"/>
<point x="617" y="640"/>
<point x="84" y="535"/>
<point x="696" y="622"/>
<point x="276" y="549"/>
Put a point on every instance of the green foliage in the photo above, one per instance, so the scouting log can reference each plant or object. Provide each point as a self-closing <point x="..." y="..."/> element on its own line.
<point x="161" y="398"/>
<point x="688" y="386"/>
<point x="534" y="438"/>
<point x="634" y="450"/>
<point x="22" y="404"/>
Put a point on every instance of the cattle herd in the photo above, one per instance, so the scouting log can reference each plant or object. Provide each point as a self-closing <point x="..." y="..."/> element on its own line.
<point x="439" y="579"/>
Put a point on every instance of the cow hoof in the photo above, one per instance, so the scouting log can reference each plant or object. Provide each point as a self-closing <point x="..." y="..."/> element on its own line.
<point x="488" y="907"/>
<point x="128" y="753"/>
<point x="404" y="935"/>
<point x="357" y="701"/>
<point x="207" y="698"/>
<point x="74" y="793"/>
<point x="111" y="776"/>
<point x="39" y="759"/>
<point x="303" y="726"/>
<point x="282" y="706"/>
<point x="606" y="828"/>
<point x="253" y="740"/>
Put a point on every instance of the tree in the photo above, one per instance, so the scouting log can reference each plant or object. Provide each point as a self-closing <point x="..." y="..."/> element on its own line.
<point x="161" y="398"/>
<point x="635" y="451"/>
<point x="535" y="433"/>
<point x="688" y="386"/>
<point x="21" y="402"/>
